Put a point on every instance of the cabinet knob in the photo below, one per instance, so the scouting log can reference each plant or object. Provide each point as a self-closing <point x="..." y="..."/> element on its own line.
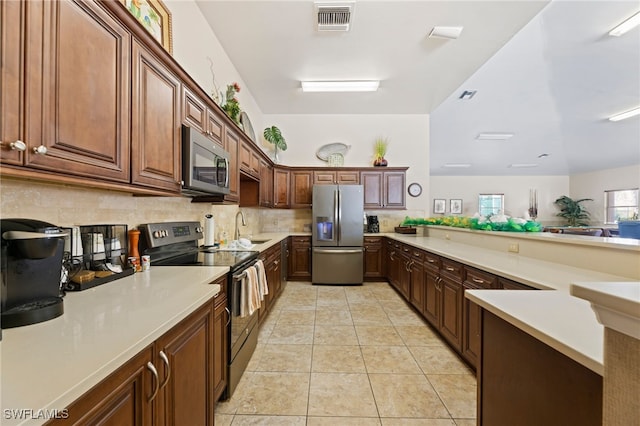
<point x="40" y="150"/>
<point x="18" y="146"/>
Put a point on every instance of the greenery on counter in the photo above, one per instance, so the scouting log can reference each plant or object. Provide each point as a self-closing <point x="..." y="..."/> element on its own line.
<point x="487" y="223"/>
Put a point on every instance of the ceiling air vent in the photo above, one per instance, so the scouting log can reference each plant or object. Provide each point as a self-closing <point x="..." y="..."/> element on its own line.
<point x="334" y="16"/>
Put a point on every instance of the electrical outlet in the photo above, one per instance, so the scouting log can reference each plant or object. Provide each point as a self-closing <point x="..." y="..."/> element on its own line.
<point x="514" y="248"/>
<point x="447" y="236"/>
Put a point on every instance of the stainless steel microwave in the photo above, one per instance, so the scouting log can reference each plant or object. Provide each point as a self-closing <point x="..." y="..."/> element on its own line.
<point x="205" y="165"/>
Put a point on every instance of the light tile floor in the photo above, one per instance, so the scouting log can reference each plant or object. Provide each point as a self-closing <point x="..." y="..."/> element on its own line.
<point x="350" y="355"/>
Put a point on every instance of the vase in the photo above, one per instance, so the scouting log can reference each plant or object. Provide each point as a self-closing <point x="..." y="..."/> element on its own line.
<point x="380" y="162"/>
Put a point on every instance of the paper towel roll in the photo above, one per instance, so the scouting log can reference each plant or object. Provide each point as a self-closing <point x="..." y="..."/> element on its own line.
<point x="209" y="230"/>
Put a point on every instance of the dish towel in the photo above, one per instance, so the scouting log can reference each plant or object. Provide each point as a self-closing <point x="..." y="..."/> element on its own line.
<point x="262" y="279"/>
<point x="249" y="297"/>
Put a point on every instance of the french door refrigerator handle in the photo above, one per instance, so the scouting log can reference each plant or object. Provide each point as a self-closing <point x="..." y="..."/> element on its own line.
<point x="336" y="213"/>
<point x="339" y="215"/>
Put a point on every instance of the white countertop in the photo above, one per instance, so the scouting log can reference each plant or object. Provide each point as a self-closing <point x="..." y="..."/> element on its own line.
<point x="556" y="318"/>
<point x="50" y="364"/>
<point x="616" y="304"/>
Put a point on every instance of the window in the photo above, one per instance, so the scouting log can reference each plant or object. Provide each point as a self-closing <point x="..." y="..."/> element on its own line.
<point x="620" y="205"/>
<point x="489" y="204"/>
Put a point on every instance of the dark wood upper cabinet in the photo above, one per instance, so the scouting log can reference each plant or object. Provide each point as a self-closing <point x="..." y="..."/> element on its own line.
<point x="232" y="145"/>
<point x="77" y="89"/>
<point x="199" y="116"/>
<point x="156" y="122"/>
<point x="383" y="189"/>
<point x="12" y="25"/>
<point x="301" y="188"/>
<point x="280" y="188"/>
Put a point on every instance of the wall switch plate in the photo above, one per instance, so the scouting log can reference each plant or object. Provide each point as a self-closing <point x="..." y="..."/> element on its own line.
<point x="514" y="248"/>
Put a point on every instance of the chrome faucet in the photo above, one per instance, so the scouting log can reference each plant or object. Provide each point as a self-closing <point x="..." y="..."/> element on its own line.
<point x="244" y="223"/>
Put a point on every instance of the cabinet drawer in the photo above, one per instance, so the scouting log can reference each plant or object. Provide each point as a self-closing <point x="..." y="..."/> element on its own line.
<point x="431" y="261"/>
<point x="480" y="279"/>
<point x="454" y="270"/>
<point x="301" y="240"/>
<point x="417" y="254"/>
<point x="371" y="241"/>
<point x="512" y="285"/>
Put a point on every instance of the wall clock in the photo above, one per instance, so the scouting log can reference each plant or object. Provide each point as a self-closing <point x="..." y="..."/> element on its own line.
<point x="414" y="189"/>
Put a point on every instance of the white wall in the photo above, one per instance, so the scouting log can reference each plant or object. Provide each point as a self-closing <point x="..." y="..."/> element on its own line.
<point x="515" y="190"/>
<point x="592" y="185"/>
<point x="194" y="43"/>
<point x="408" y="137"/>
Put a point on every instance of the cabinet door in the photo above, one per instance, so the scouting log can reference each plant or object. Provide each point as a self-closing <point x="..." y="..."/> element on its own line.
<point x="220" y="345"/>
<point x="122" y="399"/>
<point x="417" y="285"/>
<point x="373" y="186"/>
<point x="451" y="315"/>
<point x="187" y="379"/>
<point x="301" y="189"/>
<point x="300" y="259"/>
<point x="232" y="145"/>
<point x="280" y="188"/>
<point x="404" y="275"/>
<point x="394" y="190"/>
<point x="373" y="258"/>
<point x="266" y="184"/>
<point x="471" y="328"/>
<point x="155" y="127"/>
<point x="197" y="115"/>
<point x="351" y="177"/>
<point x="78" y="90"/>
<point x="12" y="42"/>
<point x="432" y="297"/>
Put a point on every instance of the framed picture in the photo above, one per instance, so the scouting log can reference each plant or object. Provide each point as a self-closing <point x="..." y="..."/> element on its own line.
<point x="154" y="17"/>
<point x="455" y="205"/>
<point x="439" y="205"/>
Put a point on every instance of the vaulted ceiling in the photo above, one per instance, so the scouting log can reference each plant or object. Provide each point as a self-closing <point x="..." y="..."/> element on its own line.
<point x="546" y="72"/>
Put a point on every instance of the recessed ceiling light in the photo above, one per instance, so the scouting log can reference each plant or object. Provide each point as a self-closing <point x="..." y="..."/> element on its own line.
<point x="494" y="136"/>
<point x="340" y="86"/>
<point x="624" y="115"/>
<point x="457" y="165"/>
<point x="626" y="26"/>
<point x="467" y="94"/>
<point x="522" y="165"/>
<point x="450" y="33"/>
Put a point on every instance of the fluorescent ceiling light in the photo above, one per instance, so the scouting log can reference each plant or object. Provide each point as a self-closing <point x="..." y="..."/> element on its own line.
<point x="340" y="86"/>
<point x="624" y="115"/>
<point x="494" y="136"/>
<point x="457" y="165"/>
<point x="626" y="26"/>
<point x="450" y="33"/>
<point x="522" y="165"/>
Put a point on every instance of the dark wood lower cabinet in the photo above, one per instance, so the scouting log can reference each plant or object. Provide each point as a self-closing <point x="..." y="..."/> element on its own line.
<point x="220" y="345"/>
<point x="120" y="399"/>
<point x="472" y="328"/>
<point x="373" y="269"/>
<point x="300" y="258"/>
<point x="524" y="382"/>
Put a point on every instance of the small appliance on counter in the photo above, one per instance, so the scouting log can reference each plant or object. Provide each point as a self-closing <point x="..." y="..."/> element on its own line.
<point x="97" y="254"/>
<point x="373" y="226"/>
<point x="31" y="268"/>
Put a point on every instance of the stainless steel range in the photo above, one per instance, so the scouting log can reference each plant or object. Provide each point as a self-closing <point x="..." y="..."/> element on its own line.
<point x="176" y="244"/>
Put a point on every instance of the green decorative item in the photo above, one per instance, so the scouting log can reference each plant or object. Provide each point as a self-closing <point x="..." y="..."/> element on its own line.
<point x="574" y="213"/>
<point x="380" y="150"/>
<point x="232" y="106"/>
<point x="488" y="223"/>
<point x="273" y="135"/>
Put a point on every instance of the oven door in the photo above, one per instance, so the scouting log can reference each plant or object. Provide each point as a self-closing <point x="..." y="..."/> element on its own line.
<point x="241" y="327"/>
<point x="205" y="165"/>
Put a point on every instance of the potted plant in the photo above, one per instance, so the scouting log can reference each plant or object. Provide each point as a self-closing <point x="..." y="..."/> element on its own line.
<point x="574" y="213"/>
<point x="273" y="135"/>
<point x="380" y="149"/>
<point x="232" y="106"/>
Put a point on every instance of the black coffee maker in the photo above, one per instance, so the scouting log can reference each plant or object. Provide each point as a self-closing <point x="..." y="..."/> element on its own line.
<point x="31" y="267"/>
<point x="373" y="226"/>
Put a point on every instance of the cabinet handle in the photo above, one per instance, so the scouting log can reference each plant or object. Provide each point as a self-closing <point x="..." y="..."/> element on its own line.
<point x="166" y="364"/>
<point x="153" y="370"/>
<point x="477" y="280"/>
<point x="431" y="261"/>
<point x="18" y="146"/>
<point x="228" y="316"/>
<point x="40" y="150"/>
<point x="391" y="255"/>
<point x="449" y="268"/>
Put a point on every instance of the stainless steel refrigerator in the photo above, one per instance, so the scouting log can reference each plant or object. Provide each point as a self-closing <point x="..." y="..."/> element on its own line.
<point x="337" y="256"/>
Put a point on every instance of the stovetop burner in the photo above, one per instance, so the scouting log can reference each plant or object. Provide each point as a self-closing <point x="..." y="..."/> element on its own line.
<point x="176" y="244"/>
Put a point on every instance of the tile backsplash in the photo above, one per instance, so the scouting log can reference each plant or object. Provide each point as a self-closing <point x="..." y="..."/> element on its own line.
<point x="66" y="205"/>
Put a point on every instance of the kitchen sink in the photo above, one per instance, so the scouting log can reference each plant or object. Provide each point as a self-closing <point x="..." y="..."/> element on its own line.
<point x="259" y="241"/>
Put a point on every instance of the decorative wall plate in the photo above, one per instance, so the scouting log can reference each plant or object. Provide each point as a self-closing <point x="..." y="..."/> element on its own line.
<point x="325" y="151"/>
<point x="246" y="125"/>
